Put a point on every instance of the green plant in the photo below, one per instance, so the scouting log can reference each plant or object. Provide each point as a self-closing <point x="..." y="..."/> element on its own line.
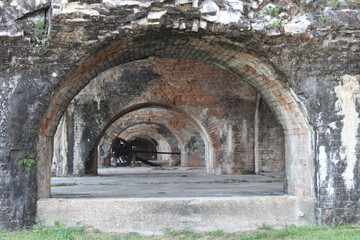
<point x="38" y="36"/>
<point x="265" y="227"/>
<point x="311" y="55"/>
<point x="78" y="232"/>
<point x="170" y="232"/>
<point x="276" y="22"/>
<point x="322" y="18"/>
<point x="190" y="234"/>
<point x="334" y="3"/>
<point x="26" y="161"/>
<point x="322" y="6"/>
<point x="132" y="236"/>
<point x="352" y="3"/>
<point x="217" y="233"/>
<point x="274" y="12"/>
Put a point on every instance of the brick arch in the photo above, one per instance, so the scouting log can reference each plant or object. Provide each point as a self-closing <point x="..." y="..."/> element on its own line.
<point x="122" y="129"/>
<point x="147" y="129"/>
<point x="165" y="143"/>
<point x="219" y="51"/>
<point x="150" y="135"/>
<point x="120" y="120"/>
<point x="180" y="125"/>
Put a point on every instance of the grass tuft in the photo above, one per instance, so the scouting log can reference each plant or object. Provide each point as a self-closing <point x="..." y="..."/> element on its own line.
<point x="61" y="232"/>
<point x="217" y="233"/>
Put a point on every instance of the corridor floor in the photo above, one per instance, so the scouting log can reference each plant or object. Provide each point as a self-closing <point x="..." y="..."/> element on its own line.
<point x="152" y="182"/>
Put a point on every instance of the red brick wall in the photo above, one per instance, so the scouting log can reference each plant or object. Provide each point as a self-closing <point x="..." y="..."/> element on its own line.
<point x="204" y="95"/>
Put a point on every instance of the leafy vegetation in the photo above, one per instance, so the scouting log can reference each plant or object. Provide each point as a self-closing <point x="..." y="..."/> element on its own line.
<point x="274" y="12"/>
<point x="276" y="22"/>
<point x="323" y="18"/>
<point x="61" y="232"/>
<point x="26" y="161"/>
<point x="217" y="233"/>
<point x="334" y="3"/>
<point x="312" y="56"/>
<point x="38" y="37"/>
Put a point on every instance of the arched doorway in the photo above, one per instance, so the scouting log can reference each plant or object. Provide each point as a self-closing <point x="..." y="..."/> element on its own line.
<point x="220" y="52"/>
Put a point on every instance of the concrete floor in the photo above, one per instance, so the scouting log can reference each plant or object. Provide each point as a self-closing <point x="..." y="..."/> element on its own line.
<point x="159" y="182"/>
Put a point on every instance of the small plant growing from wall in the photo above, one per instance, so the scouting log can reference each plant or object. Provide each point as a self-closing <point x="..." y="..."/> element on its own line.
<point x="274" y="12"/>
<point x="352" y="3"/>
<point x="312" y="56"/>
<point x="26" y="161"/>
<point x="323" y="18"/>
<point x="275" y="23"/>
<point x="334" y="3"/>
<point x="38" y="36"/>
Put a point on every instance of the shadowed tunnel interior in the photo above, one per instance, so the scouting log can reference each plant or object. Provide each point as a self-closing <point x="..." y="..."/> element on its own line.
<point x="171" y="106"/>
<point x="222" y="105"/>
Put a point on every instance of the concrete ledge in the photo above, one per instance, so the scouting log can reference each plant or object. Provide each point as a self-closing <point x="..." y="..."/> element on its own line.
<point x="152" y="215"/>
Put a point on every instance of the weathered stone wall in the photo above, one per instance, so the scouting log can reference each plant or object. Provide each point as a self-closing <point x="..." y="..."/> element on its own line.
<point x="305" y="65"/>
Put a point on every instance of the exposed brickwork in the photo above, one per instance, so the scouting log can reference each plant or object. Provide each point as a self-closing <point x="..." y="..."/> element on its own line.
<point x="167" y="121"/>
<point x="296" y="72"/>
<point x="188" y="85"/>
<point x="270" y="141"/>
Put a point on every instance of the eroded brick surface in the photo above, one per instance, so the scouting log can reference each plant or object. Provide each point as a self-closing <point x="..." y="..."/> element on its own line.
<point x="295" y="66"/>
<point x="211" y="96"/>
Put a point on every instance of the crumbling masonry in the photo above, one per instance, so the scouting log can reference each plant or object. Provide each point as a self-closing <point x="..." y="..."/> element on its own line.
<point x="253" y="85"/>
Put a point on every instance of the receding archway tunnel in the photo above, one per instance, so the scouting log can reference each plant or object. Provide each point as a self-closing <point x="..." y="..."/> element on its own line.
<point x="221" y="136"/>
<point x="145" y="148"/>
<point x="194" y="118"/>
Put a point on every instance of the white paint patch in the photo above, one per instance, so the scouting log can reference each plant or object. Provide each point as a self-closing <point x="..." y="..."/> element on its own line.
<point x="156" y="15"/>
<point x="258" y="26"/>
<point x="209" y="7"/>
<point x="334" y="158"/>
<point x="229" y="159"/>
<point x="230" y="140"/>
<point x="298" y="24"/>
<point x="236" y="5"/>
<point x="145" y="4"/>
<point x="122" y="3"/>
<point x="322" y="163"/>
<point x="6" y="91"/>
<point x="12" y="34"/>
<point x="14" y="3"/>
<point x="348" y="94"/>
<point x="229" y="16"/>
<point x="332" y="125"/>
<point x="59" y="162"/>
<point x="75" y="7"/>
